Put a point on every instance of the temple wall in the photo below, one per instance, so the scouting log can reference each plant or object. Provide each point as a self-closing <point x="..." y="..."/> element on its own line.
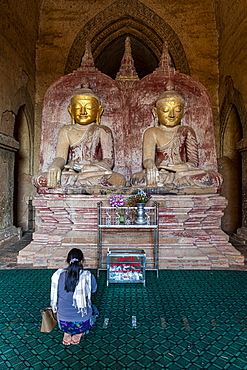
<point x="18" y="36"/>
<point x="231" y="17"/>
<point x="231" y="24"/>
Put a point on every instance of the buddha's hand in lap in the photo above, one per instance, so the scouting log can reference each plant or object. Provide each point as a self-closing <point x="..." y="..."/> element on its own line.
<point x="177" y="167"/>
<point x="97" y="167"/>
<point x="92" y="168"/>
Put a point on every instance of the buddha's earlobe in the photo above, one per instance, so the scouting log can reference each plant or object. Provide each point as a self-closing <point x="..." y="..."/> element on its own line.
<point x="71" y="115"/>
<point x="100" y="111"/>
<point x="154" y="112"/>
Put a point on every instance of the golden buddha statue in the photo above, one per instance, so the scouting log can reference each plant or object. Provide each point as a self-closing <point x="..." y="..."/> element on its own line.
<point x="170" y="149"/>
<point x="84" y="151"/>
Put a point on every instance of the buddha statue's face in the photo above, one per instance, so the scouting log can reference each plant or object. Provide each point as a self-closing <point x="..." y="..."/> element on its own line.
<point x="169" y="111"/>
<point x="85" y="109"/>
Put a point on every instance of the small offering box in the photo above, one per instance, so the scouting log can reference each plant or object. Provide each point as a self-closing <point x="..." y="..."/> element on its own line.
<point x="126" y="266"/>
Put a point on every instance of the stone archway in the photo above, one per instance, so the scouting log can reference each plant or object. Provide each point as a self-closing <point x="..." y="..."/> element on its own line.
<point x="124" y="18"/>
<point x="233" y="118"/>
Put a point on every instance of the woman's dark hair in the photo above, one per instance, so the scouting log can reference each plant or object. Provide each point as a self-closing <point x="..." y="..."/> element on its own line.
<point x="74" y="259"/>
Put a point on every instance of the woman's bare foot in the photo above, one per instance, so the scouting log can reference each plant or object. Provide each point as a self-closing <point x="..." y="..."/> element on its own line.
<point x="76" y="338"/>
<point x="66" y="339"/>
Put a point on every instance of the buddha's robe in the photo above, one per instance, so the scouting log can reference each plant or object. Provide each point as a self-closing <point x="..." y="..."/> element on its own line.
<point x="95" y="146"/>
<point x="180" y="147"/>
<point x="94" y="150"/>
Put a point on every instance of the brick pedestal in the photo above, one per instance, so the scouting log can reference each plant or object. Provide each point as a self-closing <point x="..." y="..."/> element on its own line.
<point x="190" y="235"/>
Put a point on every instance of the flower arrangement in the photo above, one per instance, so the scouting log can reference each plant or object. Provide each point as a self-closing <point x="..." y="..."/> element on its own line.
<point x="116" y="200"/>
<point x="140" y="197"/>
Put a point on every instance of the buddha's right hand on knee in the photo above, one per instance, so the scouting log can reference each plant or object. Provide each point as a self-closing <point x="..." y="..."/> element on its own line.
<point x="54" y="172"/>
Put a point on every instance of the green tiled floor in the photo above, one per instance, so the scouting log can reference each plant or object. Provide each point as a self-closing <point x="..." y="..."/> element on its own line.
<point x="185" y="320"/>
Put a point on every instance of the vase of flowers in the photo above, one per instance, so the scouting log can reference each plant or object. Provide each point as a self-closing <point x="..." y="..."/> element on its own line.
<point x="118" y="201"/>
<point x="141" y="215"/>
<point x="139" y="200"/>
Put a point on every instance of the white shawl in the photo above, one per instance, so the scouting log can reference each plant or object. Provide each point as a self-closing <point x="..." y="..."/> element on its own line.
<point x="82" y="293"/>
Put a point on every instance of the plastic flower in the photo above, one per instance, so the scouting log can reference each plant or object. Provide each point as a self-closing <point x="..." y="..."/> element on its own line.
<point x="117" y="200"/>
<point x="140" y="197"/>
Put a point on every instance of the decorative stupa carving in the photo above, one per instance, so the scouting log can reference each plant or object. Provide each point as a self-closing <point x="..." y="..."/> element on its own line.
<point x="87" y="61"/>
<point x="127" y="75"/>
<point x="166" y="64"/>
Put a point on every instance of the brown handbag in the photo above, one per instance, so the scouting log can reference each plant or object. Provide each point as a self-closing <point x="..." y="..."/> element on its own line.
<point x="49" y="320"/>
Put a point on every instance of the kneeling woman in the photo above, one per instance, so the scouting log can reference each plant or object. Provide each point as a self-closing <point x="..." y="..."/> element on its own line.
<point x="71" y="290"/>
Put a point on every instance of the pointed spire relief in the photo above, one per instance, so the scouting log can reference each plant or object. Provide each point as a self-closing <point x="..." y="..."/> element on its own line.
<point x="165" y="63"/>
<point x="127" y="69"/>
<point x="87" y="62"/>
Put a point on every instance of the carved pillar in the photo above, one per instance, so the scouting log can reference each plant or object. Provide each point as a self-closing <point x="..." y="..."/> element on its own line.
<point x="8" y="147"/>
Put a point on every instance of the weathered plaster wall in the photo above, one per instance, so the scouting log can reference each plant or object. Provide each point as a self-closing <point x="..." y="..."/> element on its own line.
<point x="60" y="22"/>
<point x="232" y="23"/>
<point x="231" y="16"/>
<point x="18" y="35"/>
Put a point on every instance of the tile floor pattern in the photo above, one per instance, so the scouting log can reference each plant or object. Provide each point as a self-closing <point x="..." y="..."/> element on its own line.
<point x="185" y="319"/>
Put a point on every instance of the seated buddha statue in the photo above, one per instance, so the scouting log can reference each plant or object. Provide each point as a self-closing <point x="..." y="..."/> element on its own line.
<point x="170" y="149"/>
<point x="84" y="151"/>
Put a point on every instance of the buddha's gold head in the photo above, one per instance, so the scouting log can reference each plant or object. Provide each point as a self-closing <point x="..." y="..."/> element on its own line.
<point x="169" y="108"/>
<point x="85" y="106"/>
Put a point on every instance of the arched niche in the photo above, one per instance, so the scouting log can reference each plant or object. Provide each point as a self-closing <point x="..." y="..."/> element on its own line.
<point x="147" y="30"/>
<point x="23" y="168"/>
<point x="23" y="187"/>
<point x="232" y="118"/>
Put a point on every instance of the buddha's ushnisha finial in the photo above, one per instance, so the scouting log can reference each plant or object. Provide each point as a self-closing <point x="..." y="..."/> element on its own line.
<point x="169" y="85"/>
<point x="170" y="93"/>
<point x="85" y="90"/>
<point x="87" y="62"/>
<point x="165" y="63"/>
<point x="127" y="69"/>
<point x="85" y="82"/>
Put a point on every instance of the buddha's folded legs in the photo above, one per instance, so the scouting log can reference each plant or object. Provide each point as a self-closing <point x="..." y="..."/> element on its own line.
<point x="75" y="179"/>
